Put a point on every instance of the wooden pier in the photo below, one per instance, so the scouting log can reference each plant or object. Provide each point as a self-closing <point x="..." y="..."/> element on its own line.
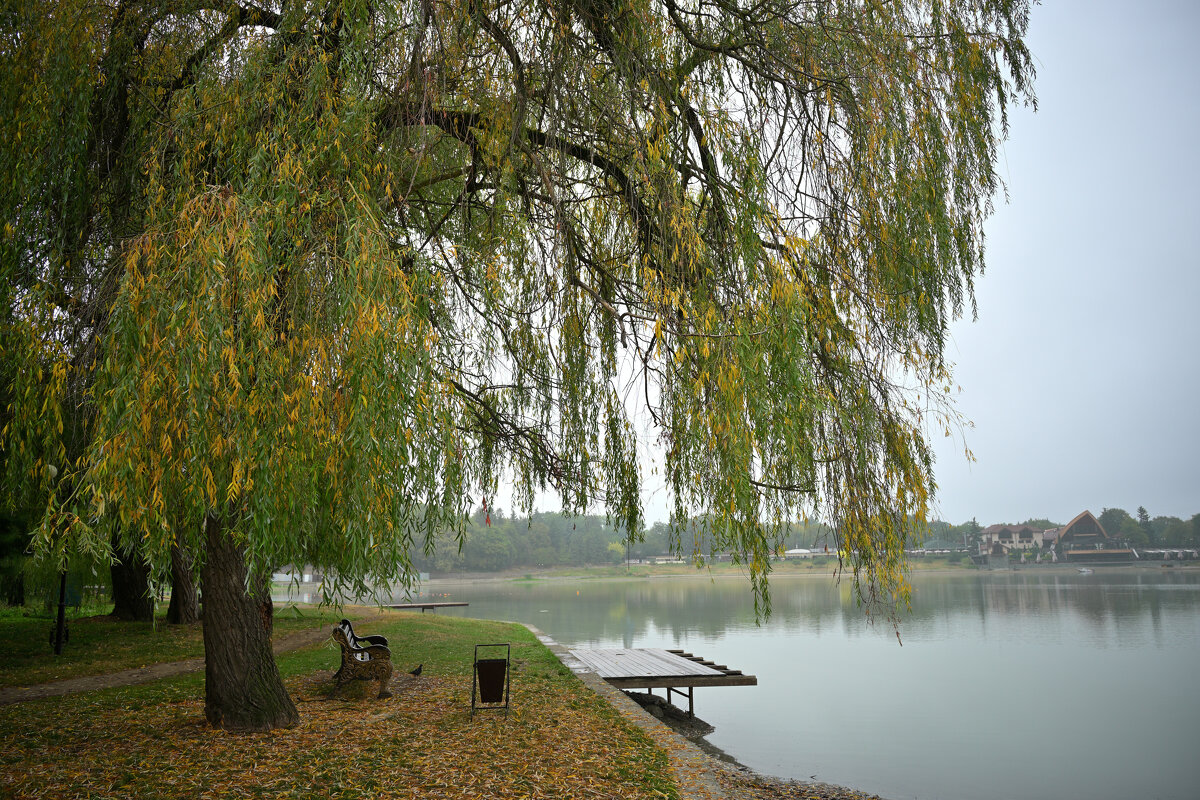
<point x="655" y="668"/>
<point x="430" y="606"/>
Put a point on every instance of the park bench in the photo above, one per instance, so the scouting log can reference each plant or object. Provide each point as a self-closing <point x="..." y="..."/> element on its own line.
<point x="364" y="658"/>
<point x="360" y="641"/>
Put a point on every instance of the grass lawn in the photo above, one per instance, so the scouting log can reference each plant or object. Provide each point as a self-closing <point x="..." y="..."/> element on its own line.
<point x="558" y="741"/>
<point x="99" y="644"/>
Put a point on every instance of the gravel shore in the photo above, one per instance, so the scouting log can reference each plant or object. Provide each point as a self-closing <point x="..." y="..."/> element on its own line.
<point x="736" y="779"/>
<point x="752" y="786"/>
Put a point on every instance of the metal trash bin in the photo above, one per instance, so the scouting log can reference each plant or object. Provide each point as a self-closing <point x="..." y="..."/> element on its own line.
<point x="491" y="680"/>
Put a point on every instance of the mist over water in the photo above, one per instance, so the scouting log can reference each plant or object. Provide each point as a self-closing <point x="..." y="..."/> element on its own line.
<point x="1023" y="684"/>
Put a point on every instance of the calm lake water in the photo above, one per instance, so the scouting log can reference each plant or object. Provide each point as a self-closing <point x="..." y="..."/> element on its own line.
<point x="1008" y="685"/>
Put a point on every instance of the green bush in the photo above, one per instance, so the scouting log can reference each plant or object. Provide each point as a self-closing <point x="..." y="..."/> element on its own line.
<point x="88" y="584"/>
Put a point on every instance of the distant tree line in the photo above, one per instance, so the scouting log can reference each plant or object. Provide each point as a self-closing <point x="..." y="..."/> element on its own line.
<point x="495" y="542"/>
<point x="1145" y="531"/>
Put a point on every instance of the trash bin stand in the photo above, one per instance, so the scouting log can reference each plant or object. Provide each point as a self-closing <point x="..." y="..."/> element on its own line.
<point x="493" y="679"/>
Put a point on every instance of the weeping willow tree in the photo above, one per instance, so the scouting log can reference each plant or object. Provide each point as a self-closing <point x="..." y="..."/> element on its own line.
<point x="299" y="282"/>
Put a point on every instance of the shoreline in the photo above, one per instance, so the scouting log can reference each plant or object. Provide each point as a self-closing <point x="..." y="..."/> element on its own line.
<point x="699" y="773"/>
<point x="746" y="780"/>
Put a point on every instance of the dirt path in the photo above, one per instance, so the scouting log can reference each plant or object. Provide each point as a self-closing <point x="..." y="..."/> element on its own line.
<point x="153" y="672"/>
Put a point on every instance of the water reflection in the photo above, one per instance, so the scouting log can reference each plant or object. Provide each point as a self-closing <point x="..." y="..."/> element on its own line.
<point x="1121" y="609"/>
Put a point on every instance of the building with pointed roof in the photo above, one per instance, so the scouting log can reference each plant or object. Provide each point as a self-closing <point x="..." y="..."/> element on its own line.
<point x="1084" y="539"/>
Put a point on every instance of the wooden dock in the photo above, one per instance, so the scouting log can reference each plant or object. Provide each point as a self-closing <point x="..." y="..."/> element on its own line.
<point x="430" y="606"/>
<point x="655" y="668"/>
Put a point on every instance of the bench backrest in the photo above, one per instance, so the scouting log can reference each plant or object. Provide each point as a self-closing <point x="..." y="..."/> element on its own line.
<point x="362" y="650"/>
<point x="360" y="641"/>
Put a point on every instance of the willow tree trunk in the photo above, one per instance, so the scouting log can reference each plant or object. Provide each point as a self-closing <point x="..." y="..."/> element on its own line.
<point x="242" y="687"/>
<point x="131" y="596"/>
<point x="184" y="608"/>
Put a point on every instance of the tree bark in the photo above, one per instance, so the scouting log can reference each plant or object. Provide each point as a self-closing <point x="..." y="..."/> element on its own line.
<point x="242" y="687"/>
<point x="184" y="608"/>
<point x="260" y="591"/>
<point x="131" y="597"/>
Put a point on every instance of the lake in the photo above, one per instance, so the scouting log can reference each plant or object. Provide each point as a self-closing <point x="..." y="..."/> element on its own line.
<point x="1029" y="684"/>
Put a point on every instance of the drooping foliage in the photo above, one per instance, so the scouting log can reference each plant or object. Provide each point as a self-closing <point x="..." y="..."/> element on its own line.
<point x="325" y="271"/>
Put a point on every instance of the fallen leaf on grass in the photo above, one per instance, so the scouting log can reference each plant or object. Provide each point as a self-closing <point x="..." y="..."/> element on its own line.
<point x="423" y="742"/>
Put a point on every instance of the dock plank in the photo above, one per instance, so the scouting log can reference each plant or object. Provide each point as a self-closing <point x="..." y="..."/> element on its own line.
<point x="655" y="664"/>
<point x="656" y="668"/>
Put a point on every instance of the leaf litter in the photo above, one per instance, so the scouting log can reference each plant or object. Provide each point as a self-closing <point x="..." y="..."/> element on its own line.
<point x="557" y="741"/>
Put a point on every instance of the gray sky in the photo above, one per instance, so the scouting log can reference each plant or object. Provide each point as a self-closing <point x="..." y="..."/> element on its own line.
<point x="1082" y="373"/>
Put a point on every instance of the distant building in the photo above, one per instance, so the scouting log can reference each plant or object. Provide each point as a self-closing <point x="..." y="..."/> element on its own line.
<point x="798" y="552"/>
<point x="1169" y="554"/>
<point x="937" y="547"/>
<point x="1000" y="540"/>
<point x="1084" y="539"/>
<point x="1050" y="537"/>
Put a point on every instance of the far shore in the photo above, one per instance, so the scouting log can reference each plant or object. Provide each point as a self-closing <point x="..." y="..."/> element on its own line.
<point x="780" y="569"/>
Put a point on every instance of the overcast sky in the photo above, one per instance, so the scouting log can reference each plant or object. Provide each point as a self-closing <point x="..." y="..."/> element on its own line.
<point x="1082" y="373"/>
